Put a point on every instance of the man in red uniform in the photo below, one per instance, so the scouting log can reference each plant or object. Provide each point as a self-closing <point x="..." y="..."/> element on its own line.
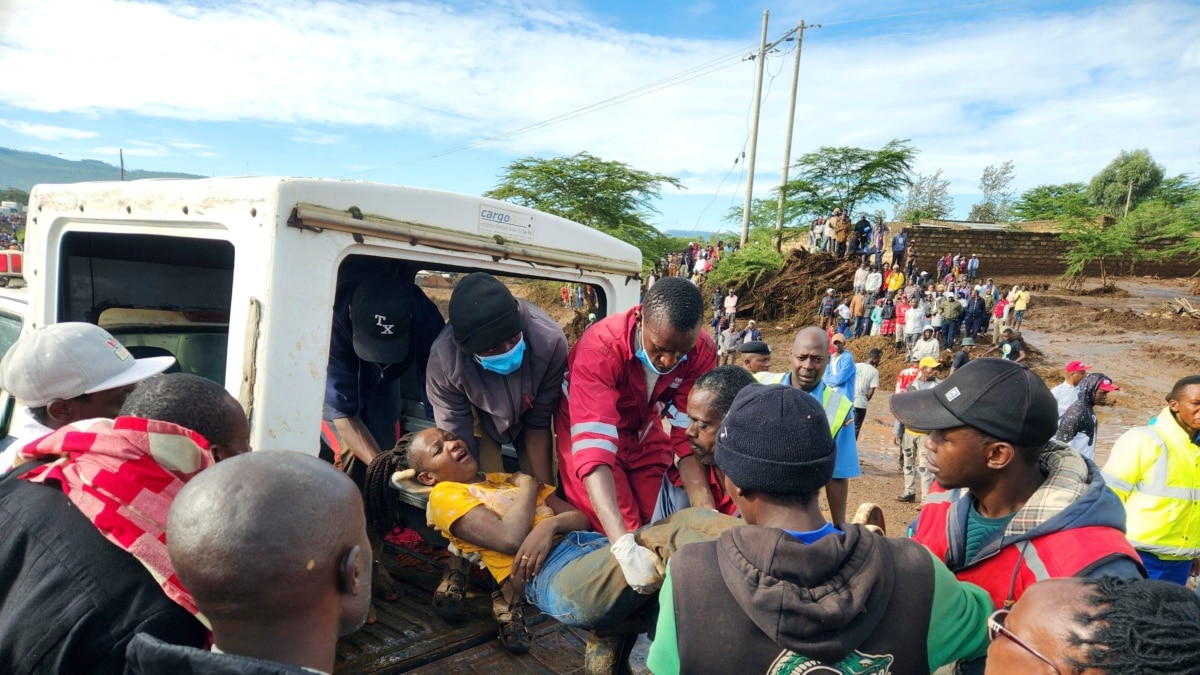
<point x="626" y="374"/>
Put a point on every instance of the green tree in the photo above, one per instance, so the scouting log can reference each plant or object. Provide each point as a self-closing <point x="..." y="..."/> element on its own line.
<point x="928" y="197"/>
<point x="609" y="196"/>
<point x="1052" y="202"/>
<point x="1098" y="241"/>
<point x="997" y="195"/>
<point x="14" y="195"/>
<point x="846" y="176"/>
<point x="1130" y="178"/>
<point x="1176" y="191"/>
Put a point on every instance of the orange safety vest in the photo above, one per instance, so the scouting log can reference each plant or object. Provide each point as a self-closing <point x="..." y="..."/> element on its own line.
<point x="1019" y="565"/>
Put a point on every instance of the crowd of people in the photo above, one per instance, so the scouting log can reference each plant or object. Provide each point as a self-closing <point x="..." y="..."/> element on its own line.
<point x="659" y="492"/>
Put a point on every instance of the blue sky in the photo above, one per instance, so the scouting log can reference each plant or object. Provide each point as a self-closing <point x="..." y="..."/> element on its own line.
<point x="393" y="91"/>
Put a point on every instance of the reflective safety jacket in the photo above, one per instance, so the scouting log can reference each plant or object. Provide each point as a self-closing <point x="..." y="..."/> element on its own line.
<point x="1155" y="470"/>
<point x="837" y="407"/>
<point x="1071" y="526"/>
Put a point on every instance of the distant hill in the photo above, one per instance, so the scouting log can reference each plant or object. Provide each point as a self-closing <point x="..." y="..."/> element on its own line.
<point x="23" y="170"/>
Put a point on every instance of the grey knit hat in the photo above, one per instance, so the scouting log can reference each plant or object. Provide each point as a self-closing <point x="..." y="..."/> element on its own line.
<point x="775" y="439"/>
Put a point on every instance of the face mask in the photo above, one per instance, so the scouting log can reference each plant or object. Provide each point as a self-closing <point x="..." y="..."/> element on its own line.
<point x="641" y="354"/>
<point x="504" y="363"/>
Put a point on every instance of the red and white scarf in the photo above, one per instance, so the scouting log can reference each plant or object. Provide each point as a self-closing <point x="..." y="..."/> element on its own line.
<point x="123" y="474"/>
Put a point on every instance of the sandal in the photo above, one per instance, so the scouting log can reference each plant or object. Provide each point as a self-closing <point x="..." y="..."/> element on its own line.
<point x="449" y="596"/>
<point x="514" y="634"/>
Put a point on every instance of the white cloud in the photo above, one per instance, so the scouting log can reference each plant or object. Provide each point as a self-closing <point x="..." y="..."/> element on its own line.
<point x="46" y="132"/>
<point x="1060" y="94"/>
<point x="311" y="137"/>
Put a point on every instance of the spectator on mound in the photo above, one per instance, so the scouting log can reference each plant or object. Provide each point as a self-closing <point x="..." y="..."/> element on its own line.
<point x="1011" y="505"/>
<point x="1098" y="625"/>
<point x="791" y="592"/>
<point x="926" y="347"/>
<point x="276" y="608"/>
<point x="963" y="357"/>
<point x="1153" y="471"/>
<point x="825" y="309"/>
<point x="1012" y="349"/>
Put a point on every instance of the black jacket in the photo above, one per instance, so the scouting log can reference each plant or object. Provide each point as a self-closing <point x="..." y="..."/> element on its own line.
<point x="70" y="600"/>
<point x="150" y="656"/>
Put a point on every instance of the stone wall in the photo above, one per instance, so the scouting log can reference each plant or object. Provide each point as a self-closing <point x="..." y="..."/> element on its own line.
<point x="1002" y="252"/>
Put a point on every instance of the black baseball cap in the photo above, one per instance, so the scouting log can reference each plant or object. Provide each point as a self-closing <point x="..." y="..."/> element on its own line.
<point x="1001" y="398"/>
<point x="381" y="314"/>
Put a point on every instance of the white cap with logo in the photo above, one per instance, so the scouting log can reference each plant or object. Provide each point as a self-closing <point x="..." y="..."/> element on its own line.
<point x="66" y="360"/>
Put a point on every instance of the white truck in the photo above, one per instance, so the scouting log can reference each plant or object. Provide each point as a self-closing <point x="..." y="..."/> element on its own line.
<point x="235" y="277"/>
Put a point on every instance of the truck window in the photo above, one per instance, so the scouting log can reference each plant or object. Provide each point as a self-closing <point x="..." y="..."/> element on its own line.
<point x="161" y="293"/>
<point x="10" y="329"/>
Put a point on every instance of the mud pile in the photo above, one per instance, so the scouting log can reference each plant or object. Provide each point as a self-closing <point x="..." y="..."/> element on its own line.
<point x="797" y="287"/>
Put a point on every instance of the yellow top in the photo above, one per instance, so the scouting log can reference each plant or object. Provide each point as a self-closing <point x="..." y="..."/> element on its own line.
<point x="450" y="501"/>
<point x="1155" y="470"/>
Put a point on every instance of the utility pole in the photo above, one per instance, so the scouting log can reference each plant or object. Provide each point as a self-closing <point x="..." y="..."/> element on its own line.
<point x="758" y="78"/>
<point x="787" y="144"/>
<point x="121" y="153"/>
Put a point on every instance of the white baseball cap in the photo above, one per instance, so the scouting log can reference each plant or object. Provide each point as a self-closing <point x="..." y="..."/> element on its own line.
<point x="66" y="360"/>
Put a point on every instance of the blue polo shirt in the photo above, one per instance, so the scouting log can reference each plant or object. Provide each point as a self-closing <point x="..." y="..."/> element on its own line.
<point x="847" y="447"/>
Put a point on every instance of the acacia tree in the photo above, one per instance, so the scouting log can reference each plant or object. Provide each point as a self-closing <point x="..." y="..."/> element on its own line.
<point x="1052" y="202"/>
<point x="997" y="197"/>
<point x="1098" y="241"/>
<point x="609" y="196"/>
<point x="928" y="197"/>
<point x="1127" y="180"/>
<point x="832" y="177"/>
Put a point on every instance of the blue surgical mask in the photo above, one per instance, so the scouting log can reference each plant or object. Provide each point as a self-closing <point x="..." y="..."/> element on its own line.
<point x="507" y="362"/>
<point x="641" y="354"/>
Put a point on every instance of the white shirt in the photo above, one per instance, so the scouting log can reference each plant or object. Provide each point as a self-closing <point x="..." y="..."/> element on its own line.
<point x="874" y="281"/>
<point x="1065" y="394"/>
<point x="914" y="320"/>
<point x="866" y="379"/>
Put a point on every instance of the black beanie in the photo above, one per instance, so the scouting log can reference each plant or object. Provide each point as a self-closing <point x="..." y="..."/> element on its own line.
<point x="483" y="313"/>
<point x="775" y="439"/>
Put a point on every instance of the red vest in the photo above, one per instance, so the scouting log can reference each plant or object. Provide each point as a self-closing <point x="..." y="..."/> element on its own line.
<point x="1019" y="565"/>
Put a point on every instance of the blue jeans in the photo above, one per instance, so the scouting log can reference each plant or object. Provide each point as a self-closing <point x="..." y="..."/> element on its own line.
<point x="581" y="584"/>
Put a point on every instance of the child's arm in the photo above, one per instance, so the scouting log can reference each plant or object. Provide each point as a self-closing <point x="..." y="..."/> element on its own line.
<point x="482" y="527"/>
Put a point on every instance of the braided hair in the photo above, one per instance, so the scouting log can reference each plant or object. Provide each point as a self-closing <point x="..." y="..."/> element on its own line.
<point x="1139" y="627"/>
<point x="384" y="510"/>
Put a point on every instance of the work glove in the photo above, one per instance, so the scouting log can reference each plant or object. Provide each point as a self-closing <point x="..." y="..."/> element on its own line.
<point x="640" y="566"/>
